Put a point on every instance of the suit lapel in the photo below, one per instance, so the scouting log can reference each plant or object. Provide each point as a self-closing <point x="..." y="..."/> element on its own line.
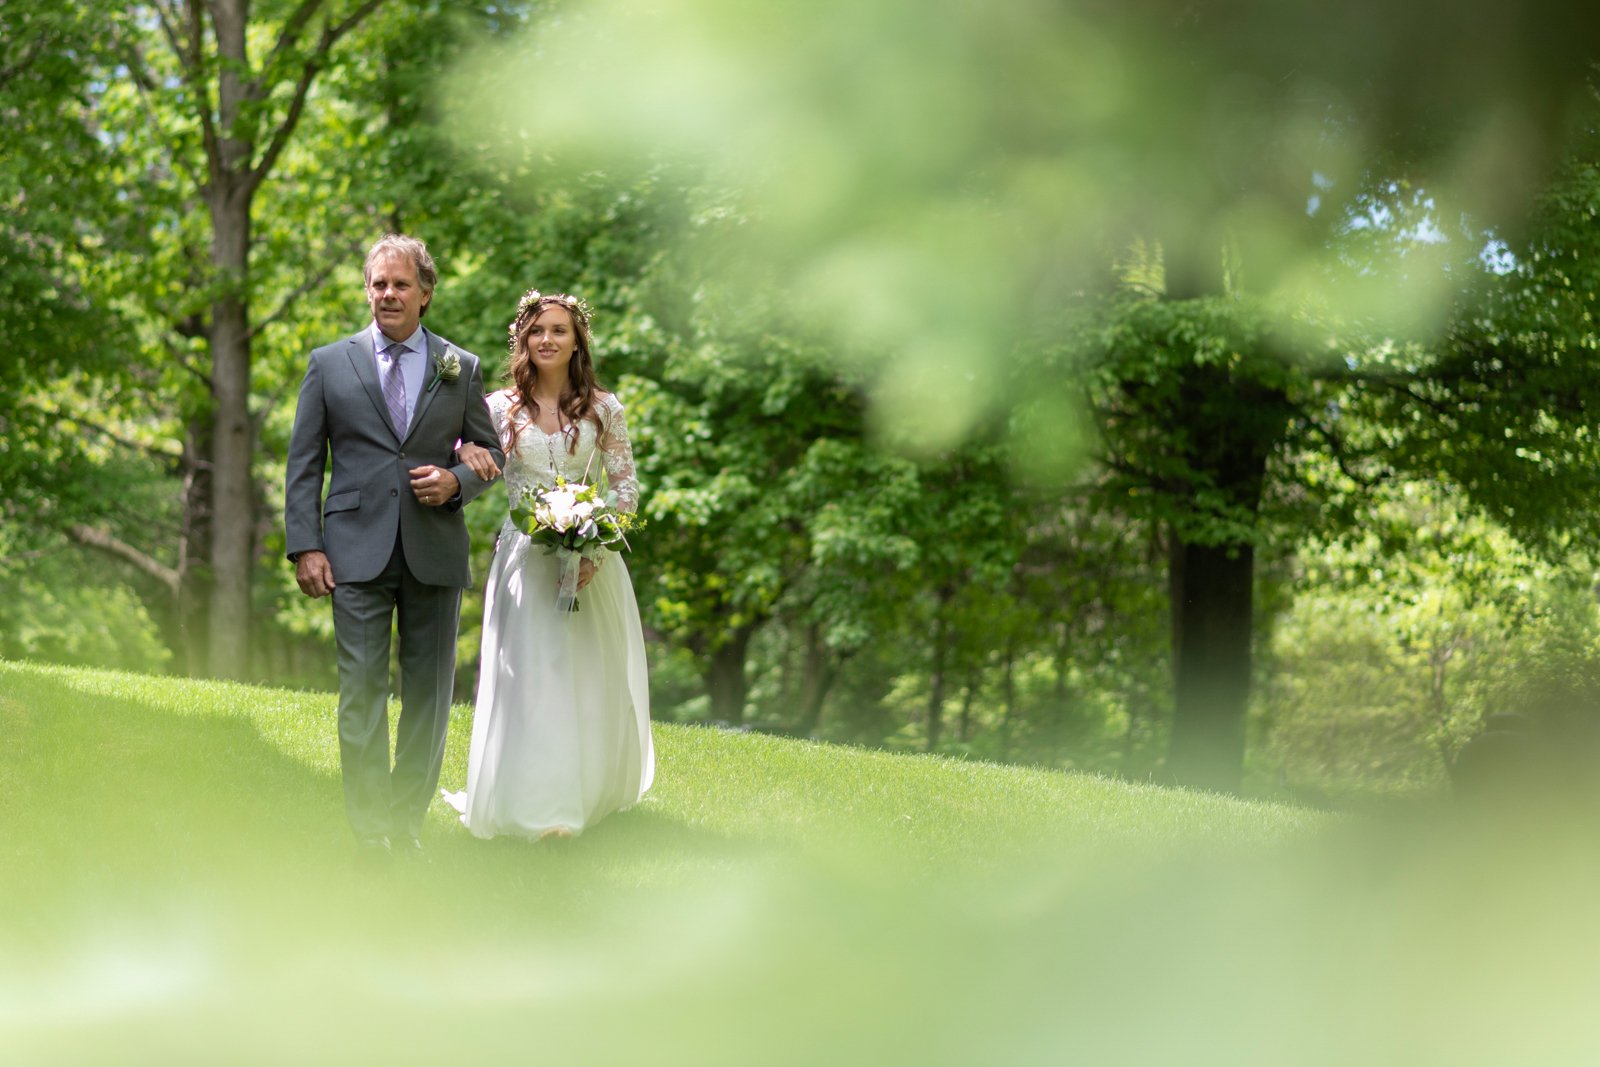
<point x="364" y="362"/>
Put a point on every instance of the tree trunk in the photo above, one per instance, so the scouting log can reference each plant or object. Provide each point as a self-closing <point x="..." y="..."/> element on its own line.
<point x="194" y="552"/>
<point x="1008" y="698"/>
<point x="233" y="519"/>
<point x="725" y="678"/>
<point x="1230" y="427"/>
<point x="817" y="677"/>
<point x="969" y="695"/>
<point x="1129" y="734"/>
<point x="1063" y="660"/>
<point x="936" y="673"/>
<point x="1211" y="590"/>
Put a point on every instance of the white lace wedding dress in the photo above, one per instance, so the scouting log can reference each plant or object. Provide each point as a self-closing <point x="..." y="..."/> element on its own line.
<point x="561" y="726"/>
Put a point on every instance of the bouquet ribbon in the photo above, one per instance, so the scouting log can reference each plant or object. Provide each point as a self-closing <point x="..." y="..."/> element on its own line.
<point x="567" y="591"/>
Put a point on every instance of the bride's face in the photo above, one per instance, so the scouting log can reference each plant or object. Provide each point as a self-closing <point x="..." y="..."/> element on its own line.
<point x="551" y="342"/>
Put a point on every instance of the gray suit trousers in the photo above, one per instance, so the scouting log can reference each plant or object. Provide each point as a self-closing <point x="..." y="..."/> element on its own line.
<point x="379" y="800"/>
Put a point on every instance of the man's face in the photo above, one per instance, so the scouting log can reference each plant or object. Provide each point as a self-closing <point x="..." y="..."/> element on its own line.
<point x="396" y="296"/>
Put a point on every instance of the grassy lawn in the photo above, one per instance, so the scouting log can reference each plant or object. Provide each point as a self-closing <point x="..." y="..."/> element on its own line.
<point x="180" y="888"/>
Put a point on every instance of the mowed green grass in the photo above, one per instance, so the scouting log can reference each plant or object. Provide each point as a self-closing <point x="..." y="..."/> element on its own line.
<point x="180" y="887"/>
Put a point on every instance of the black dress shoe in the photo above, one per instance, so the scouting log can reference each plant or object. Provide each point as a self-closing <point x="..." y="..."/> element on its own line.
<point x="411" y="848"/>
<point x="373" y="846"/>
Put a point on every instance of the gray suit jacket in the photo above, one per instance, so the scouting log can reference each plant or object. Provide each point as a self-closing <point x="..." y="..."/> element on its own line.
<point x="369" y="500"/>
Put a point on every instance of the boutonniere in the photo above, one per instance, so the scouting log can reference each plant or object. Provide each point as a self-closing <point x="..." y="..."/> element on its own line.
<point x="446" y="367"/>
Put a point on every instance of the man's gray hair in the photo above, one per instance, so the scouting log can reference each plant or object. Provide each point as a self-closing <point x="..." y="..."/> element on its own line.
<point x="412" y="249"/>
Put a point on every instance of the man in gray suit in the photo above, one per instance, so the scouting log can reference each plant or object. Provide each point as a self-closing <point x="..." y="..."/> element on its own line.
<point x="389" y="404"/>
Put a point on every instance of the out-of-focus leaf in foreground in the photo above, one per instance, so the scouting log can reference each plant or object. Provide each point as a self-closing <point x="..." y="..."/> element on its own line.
<point x="939" y="179"/>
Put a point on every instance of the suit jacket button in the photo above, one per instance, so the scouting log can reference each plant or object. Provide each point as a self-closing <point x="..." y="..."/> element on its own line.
<point x="394" y="492"/>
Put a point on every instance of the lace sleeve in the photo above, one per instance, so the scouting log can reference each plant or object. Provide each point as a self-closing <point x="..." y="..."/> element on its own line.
<point x="499" y="404"/>
<point x="618" y="452"/>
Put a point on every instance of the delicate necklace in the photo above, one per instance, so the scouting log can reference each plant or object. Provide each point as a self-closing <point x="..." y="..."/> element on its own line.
<point x="553" y="405"/>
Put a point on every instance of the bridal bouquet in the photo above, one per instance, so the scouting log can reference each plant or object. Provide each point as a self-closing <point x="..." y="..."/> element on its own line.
<point x="573" y="520"/>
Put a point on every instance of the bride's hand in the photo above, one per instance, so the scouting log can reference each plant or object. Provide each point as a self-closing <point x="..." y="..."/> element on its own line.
<point x="586" y="569"/>
<point x="478" y="459"/>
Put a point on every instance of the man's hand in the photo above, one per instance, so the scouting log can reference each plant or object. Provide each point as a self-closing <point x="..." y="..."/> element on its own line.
<point x="433" y="486"/>
<point x="314" y="573"/>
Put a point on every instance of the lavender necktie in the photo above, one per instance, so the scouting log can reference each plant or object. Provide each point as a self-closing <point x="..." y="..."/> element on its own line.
<point x="394" y="387"/>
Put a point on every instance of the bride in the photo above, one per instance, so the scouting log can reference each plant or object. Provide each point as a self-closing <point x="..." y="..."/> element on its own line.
<point x="561" y="727"/>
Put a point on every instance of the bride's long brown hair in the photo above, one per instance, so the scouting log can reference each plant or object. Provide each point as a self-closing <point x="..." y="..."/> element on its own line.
<point x="578" y="393"/>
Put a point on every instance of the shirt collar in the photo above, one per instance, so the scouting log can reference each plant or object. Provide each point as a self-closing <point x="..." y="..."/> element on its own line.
<point x="417" y="342"/>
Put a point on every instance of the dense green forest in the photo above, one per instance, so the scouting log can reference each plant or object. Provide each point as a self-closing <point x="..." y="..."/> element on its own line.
<point x="1202" y="395"/>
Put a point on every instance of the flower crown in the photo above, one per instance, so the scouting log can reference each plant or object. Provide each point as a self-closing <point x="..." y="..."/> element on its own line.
<point x="532" y="298"/>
